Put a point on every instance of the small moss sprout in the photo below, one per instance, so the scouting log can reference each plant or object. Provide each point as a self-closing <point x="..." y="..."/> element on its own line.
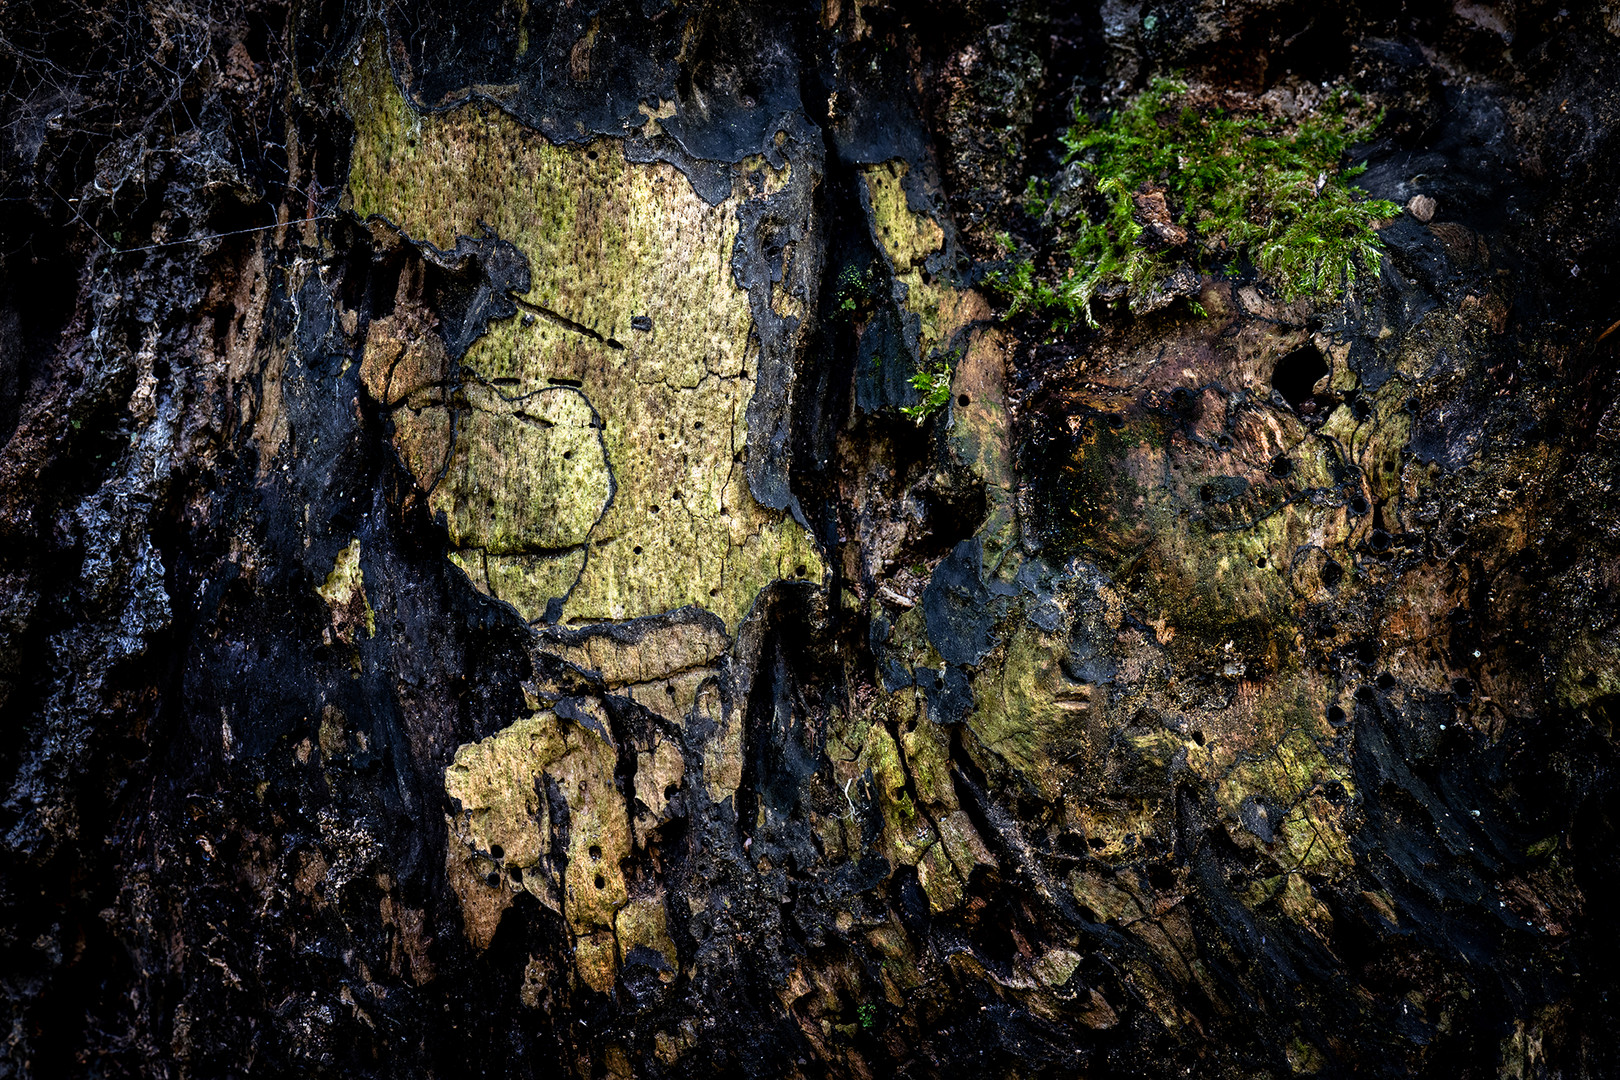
<point x="934" y="382"/>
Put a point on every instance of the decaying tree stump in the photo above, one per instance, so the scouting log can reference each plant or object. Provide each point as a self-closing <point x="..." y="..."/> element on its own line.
<point x="533" y="541"/>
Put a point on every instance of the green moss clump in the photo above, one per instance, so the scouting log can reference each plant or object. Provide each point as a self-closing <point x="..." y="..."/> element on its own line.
<point x="935" y="384"/>
<point x="1238" y="186"/>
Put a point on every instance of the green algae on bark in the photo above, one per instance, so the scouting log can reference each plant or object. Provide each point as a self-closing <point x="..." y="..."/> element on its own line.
<point x="633" y="324"/>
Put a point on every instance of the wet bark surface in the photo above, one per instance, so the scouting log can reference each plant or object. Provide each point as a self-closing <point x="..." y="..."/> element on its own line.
<point x="473" y="603"/>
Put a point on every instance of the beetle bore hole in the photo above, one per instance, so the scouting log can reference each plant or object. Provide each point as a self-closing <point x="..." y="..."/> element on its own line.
<point x="963" y="400"/>
<point x="1296" y="375"/>
<point x="1386" y="681"/>
<point x="497" y="852"/>
<point x="601" y="882"/>
<point x="492" y="879"/>
<point x="595" y="852"/>
<point x="1380" y="540"/>
<point x="1260" y="562"/>
<point x="1336" y="716"/>
<point x="1360" y="505"/>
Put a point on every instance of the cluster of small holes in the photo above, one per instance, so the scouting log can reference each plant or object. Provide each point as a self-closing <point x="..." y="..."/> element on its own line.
<point x="595" y="853"/>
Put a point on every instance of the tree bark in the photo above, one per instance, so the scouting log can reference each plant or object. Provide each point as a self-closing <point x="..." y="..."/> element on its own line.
<point x="487" y="592"/>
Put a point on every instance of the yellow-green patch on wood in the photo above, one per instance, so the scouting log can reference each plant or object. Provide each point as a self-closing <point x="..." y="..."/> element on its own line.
<point x="345" y="593"/>
<point x="657" y="652"/>
<point x="981" y="435"/>
<point x="906" y="832"/>
<point x="530" y="582"/>
<point x="1026" y="708"/>
<point x="526" y="475"/>
<point x="909" y="238"/>
<point x="643" y="922"/>
<point x="503" y="817"/>
<point x="613" y="247"/>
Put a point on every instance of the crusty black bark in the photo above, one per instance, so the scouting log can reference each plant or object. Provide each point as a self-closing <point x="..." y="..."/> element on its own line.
<point x="188" y="445"/>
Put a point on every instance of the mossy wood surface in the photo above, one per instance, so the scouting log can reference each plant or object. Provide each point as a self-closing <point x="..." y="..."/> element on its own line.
<point x="818" y="540"/>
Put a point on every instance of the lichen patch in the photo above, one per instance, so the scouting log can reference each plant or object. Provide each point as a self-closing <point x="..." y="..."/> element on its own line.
<point x="538" y="807"/>
<point x="632" y="314"/>
<point x="344" y="591"/>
